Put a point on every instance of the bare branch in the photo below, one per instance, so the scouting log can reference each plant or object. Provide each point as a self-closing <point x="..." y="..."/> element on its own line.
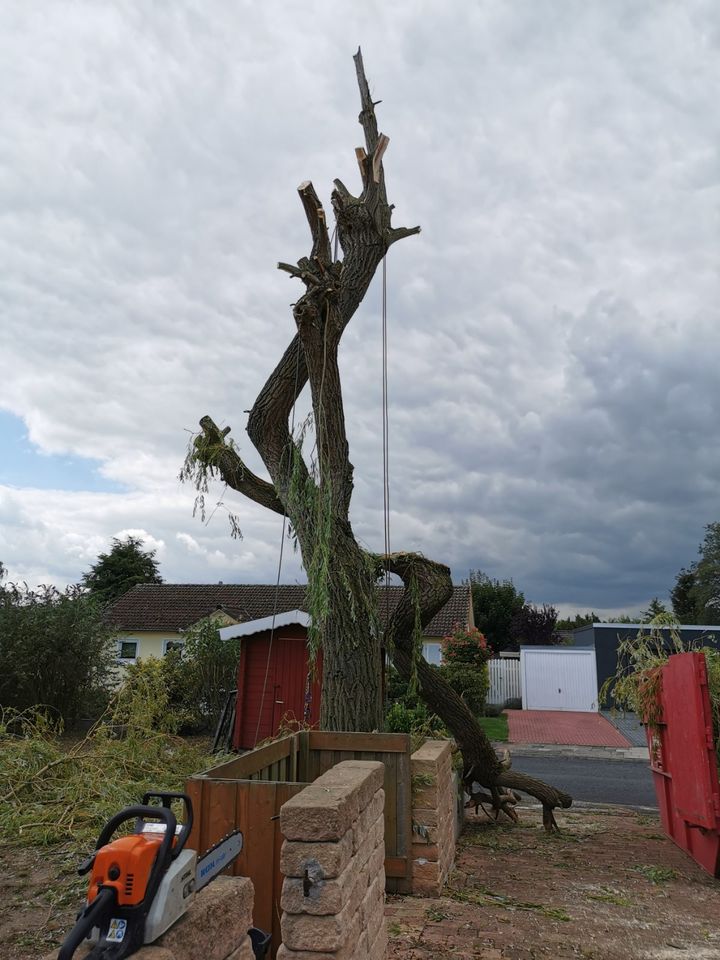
<point x="367" y="113"/>
<point x="430" y="583"/>
<point x="361" y="158"/>
<point x="399" y="233"/>
<point x="268" y="426"/>
<point x="292" y="270"/>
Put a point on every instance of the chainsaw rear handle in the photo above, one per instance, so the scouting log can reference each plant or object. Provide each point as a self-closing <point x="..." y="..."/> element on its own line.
<point x="166" y="799"/>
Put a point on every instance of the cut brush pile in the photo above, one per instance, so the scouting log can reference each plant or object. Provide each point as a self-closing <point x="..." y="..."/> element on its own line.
<point x="51" y="792"/>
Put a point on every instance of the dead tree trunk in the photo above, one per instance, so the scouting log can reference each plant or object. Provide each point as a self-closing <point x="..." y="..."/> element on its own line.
<point x="342" y="576"/>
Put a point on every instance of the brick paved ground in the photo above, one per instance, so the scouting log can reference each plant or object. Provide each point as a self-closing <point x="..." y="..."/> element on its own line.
<point x="565" y="727"/>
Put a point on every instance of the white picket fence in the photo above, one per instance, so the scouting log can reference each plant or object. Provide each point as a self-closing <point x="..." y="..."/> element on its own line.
<point x="504" y="680"/>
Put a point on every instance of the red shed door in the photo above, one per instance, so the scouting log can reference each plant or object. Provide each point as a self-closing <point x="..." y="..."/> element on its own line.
<point x="273" y="681"/>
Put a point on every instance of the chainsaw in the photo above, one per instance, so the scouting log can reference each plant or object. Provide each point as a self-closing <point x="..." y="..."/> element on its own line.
<point x="141" y="883"/>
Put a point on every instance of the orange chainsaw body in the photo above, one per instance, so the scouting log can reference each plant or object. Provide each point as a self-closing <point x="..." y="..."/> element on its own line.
<point x="125" y="864"/>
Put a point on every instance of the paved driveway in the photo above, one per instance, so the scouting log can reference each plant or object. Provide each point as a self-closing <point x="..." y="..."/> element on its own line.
<point x="564" y="727"/>
<point x="628" y="725"/>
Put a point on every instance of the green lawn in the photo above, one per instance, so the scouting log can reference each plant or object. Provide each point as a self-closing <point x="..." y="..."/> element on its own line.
<point x="495" y="727"/>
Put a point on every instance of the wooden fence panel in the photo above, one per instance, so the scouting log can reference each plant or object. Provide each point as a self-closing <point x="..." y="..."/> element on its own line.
<point x="247" y="793"/>
<point x="253" y="765"/>
<point x="324" y="750"/>
<point x="251" y="806"/>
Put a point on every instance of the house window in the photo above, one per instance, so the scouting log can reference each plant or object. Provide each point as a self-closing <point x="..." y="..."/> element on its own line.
<point x="432" y="652"/>
<point x="169" y="645"/>
<point x="127" y="649"/>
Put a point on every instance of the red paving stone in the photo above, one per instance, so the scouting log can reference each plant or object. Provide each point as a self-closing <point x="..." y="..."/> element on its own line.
<point x="563" y="727"/>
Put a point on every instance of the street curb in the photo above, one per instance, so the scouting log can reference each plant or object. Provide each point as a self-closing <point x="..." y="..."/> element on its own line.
<point x="583" y="753"/>
<point x="592" y="806"/>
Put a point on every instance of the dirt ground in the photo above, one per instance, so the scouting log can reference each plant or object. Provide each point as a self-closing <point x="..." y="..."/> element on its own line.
<point x="609" y="887"/>
<point x="40" y="894"/>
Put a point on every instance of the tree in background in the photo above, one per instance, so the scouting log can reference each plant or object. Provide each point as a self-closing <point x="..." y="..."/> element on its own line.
<point x="579" y="620"/>
<point x="535" y="626"/>
<point x="706" y="590"/>
<point x="656" y="609"/>
<point x="682" y="595"/>
<point x="696" y="594"/>
<point x="55" y="651"/>
<point x="495" y="603"/>
<point x="116" y="572"/>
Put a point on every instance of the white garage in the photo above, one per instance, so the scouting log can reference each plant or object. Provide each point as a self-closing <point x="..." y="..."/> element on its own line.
<point x="559" y="678"/>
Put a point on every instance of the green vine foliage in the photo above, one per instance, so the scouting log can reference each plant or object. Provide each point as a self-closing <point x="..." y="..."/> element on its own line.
<point x="318" y="571"/>
<point x="199" y="468"/>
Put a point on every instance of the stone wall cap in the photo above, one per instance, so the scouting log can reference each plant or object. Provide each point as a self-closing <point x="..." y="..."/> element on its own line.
<point x="433" y="750"/>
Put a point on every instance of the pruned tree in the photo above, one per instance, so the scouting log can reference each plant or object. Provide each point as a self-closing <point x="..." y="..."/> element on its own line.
<point x="316" y="497"/>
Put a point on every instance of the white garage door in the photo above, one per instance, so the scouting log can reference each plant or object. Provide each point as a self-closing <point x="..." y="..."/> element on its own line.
<point x="559" y="678"/>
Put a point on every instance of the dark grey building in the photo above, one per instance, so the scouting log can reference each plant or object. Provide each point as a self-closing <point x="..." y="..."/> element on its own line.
<point x="605" y="637"/>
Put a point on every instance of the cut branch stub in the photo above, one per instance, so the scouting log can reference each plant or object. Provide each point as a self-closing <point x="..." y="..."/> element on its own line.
<point x="318" y="222"/>
<point x="212" y="450"/>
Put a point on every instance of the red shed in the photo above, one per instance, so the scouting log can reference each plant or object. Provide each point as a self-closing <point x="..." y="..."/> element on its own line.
<point x="273" y="682"/>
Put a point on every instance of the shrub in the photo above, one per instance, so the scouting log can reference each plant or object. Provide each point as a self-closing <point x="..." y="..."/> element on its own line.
<point x="408" y="712"/>
<point x="469" y="682"/>
<point x="189" y="688"/>
<point x="55" y="651"/>
<point x="153" y="690"/>
<point x="465" y="656"/>
<point x="466" y="645"/>
<point x="209" y="669"/>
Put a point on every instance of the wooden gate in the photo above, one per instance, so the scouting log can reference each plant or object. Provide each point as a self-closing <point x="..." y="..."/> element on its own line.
<point x="247" y="793"/>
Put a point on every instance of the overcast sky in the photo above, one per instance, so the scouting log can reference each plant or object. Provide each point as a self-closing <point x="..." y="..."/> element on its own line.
<point x="554" y="335"/>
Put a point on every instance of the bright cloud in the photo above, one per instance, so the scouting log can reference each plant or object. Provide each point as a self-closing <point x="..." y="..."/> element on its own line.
<point x="553" y="331"/>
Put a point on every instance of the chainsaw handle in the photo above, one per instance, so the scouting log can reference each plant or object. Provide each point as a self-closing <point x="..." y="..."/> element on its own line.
<point x="166" y="799"/>
<point x="141" y="813"/>
<point x="92" y="916"/>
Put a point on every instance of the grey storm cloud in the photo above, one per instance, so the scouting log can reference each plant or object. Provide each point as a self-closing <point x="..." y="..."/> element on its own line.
<point x="553" y="331"/>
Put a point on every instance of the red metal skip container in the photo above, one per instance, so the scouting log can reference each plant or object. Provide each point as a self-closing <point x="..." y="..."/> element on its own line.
<point x="684" y="763"/>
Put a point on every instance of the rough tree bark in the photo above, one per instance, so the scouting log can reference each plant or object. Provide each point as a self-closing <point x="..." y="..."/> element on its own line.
<point x="342" y="576"/>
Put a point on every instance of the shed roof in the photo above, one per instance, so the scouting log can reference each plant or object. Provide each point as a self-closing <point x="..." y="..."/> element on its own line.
<point x="250" y="627"/>
<point x="176" y="606"/>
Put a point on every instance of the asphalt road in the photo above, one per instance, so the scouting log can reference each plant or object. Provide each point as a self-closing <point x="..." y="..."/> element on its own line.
<point x="627" y="782"/>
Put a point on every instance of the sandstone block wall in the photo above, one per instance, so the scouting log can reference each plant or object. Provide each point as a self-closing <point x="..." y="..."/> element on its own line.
<point x="333" y="861"/>
<point x="215" y="927"/>
<point x="434" y="806"/>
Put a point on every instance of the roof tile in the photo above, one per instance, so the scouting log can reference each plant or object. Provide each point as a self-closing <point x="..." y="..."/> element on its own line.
<point x="175" y="606"/>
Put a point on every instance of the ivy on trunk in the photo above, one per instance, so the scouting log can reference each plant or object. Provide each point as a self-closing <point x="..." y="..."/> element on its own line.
<point x="341" y="575"/>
